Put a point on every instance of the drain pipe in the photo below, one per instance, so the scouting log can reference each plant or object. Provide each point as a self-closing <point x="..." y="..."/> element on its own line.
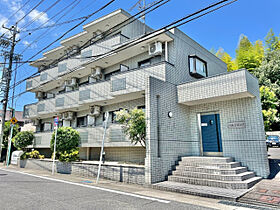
<point x="102" y="147"/>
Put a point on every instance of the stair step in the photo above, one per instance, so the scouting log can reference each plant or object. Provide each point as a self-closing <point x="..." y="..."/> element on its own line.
<point x="216" y="183"/>
<point x="228" y="171"/>
<point x="210" y="165"/>
<point x="238" y="177"/>
<point x="207" y="159"/>
<point x="198" y="190"/>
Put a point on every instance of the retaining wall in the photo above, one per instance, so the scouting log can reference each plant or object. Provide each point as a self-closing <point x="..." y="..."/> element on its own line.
<point x="122" y="173"/>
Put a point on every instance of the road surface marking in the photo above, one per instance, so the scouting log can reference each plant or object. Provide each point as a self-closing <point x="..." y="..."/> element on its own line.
<point x="92" y="187"/>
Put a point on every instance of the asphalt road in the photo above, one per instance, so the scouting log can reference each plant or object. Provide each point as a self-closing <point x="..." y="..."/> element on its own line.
<point x="21" y="191"/>
<point x="274" y="153"/>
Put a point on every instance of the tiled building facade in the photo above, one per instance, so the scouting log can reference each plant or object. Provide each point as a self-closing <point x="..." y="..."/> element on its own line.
<point x="179" y="85"/>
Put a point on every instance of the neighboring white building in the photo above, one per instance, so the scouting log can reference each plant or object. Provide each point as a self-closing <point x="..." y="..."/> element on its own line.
<point x="193" y="106"/>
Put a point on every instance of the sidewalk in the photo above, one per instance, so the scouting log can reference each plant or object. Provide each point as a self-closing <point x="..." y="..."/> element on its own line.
<point x="267" y="192"/>
<point x="132" y="188"/>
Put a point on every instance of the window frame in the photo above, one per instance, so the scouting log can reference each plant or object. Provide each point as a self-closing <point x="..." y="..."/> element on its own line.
<point x="195" y="73"/>
<point x="79" y="120"/>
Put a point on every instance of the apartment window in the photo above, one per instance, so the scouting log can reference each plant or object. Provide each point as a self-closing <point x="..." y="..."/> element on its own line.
<point x="144" y="63"/>
<point x="109" y="75"/>
<point x="82" y="121"/>
<point x="112" y="116"/>
<point x="197" y="66"/>
<point x="124" y="67"/>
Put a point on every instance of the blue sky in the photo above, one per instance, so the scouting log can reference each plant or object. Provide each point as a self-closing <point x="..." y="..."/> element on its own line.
<point x="222" y="28"/>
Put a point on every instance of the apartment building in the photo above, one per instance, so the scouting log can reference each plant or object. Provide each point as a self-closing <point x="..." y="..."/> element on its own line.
<point x="193" y="106"/>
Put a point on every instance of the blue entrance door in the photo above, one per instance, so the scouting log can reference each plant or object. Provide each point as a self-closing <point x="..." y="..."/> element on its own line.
<point x="211" y="133"/>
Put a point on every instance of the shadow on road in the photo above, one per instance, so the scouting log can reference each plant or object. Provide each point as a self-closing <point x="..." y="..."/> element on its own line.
<point x="274" y="162"/>
<point x="274" y="165"/>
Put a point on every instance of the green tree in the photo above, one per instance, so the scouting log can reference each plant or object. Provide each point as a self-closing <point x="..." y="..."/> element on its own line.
<point x="269" y="71"/>
<point x="7" y="130"/>
<point x="231" y="65"/>
<point x="67" y="139"/>
<point x="249" y="56"/>
<point x="272" y="42"/>
<point x="269" y="76"/>
<point x="23" y="139"/>
<point x="269" y="107"/>
<point x="134" y="125"/>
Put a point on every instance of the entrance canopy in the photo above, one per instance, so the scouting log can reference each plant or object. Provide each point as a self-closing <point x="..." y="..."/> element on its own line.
<point x="228" y="86"/>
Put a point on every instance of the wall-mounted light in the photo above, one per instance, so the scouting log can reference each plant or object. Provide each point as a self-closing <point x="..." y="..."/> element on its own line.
<point x="170" y="114"/>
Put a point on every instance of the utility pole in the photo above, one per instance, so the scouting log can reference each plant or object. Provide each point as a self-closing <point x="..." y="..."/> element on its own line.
<point x="8" y="73"/>
<point x="141" y="4"/>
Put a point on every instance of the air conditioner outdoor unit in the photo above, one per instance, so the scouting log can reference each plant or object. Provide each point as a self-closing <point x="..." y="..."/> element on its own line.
<point x="39" y="95"/>
<point x="70" y="116"/>
<point x="42" y="68"/>
<point x="64" y="115"/>
<point x="75" y="49"/>
<point x="97" y="74"/>
<point x="73" y="81"/>
<point x="95" y="110"/>
<point x="155" y="48"/>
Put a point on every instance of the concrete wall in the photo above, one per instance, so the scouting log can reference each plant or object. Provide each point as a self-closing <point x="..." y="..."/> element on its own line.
<point x="121" y="173"/>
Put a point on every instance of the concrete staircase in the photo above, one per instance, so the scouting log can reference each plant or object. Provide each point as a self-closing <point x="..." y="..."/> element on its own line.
<point x="217" y="175"/>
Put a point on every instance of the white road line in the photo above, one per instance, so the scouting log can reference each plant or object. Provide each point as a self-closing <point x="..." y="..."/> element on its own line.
<point x="92" y="187"/>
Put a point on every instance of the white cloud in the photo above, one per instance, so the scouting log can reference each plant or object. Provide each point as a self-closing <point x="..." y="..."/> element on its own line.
<point x="28" y="44"/>
<point x="38" y="16"/>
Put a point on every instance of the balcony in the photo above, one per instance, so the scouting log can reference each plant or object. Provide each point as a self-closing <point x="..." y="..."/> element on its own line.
<point x="130" y="84"/>
<point x="90" y="137"/>
<point x="228" y="86"/>
<point x="66" y="66"/>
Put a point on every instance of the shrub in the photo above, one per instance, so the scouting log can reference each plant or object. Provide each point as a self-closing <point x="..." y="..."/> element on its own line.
<point x="23" y="139"/>
<point x="67" y="139"/>
<point x="70" y="156"/>
<point x="34" y="155"/>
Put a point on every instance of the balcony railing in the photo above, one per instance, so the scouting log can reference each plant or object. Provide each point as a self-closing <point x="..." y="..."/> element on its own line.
<point x="71" y="63"/>
<point x="90" y="137"/>
<point x="127" y="82"/>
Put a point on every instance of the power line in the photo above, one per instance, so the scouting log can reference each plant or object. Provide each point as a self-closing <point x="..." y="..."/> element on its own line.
<point x="45" y="33"/>
<point x="40" y="15"/>
<point x="159" y="31"/>
<point x="90" y="15"/>
<point x="40" y="2"/>
<point x="129" y="20"/>
<point x="18" y="10"/>
<point x="14" y="15"/>
<point x="113" y="29"/>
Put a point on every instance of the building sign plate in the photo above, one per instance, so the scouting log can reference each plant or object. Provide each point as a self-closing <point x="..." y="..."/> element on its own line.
<point x="236" y="125"/>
